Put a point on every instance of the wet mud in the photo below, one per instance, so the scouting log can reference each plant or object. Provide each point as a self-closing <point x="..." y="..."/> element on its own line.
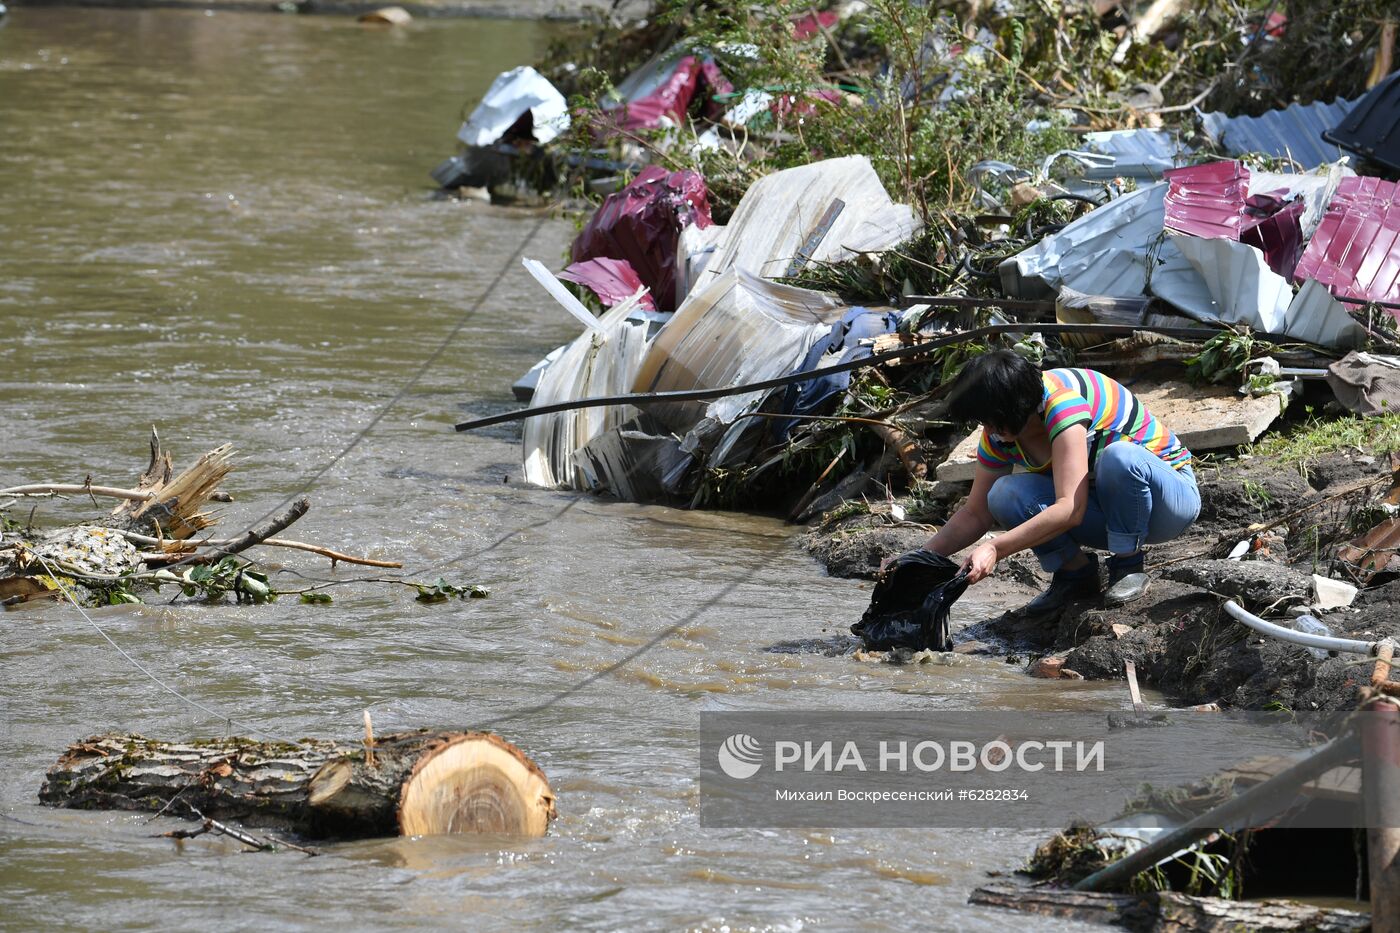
<point x="1179" y="636"/>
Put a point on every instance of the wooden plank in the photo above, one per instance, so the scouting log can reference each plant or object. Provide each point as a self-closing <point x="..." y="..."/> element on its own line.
<point x="1169" y="911"/>
<point x="1203" y="417"/>
<point x="1342" y="783"/>
<point x="1131" y="669"/>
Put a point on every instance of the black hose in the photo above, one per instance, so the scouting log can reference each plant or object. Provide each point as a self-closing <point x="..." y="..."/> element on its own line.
<point x="704" y="395"/>
<point x="969" y="267"/>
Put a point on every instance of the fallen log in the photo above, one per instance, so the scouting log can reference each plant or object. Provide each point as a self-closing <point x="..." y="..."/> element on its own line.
<point x="1169" y="911"/>
<point x="414" y="783"/>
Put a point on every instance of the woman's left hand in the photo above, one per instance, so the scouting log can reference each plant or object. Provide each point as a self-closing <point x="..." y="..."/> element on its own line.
<point x="981" y="562"/>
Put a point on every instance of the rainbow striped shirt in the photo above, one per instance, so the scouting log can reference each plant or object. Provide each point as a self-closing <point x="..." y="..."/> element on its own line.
<point x="1108" y="411"/>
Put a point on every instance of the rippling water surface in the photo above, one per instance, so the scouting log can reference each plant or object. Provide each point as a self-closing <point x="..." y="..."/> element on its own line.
<point x="220" y="224"/>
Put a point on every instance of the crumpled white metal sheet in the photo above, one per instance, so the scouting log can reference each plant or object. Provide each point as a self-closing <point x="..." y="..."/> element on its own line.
<point x="737" y="329"/>
<point x="781" y="215"/>
<point x="509" y="97"/>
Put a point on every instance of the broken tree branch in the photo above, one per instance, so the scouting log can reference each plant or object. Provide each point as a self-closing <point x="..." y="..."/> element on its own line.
<point x="259" y="535"/>
<point x="69" y="489"/>
<point x="183" y="548"/>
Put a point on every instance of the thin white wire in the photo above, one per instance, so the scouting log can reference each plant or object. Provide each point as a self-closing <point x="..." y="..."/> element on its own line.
<point x="63" y="587"/>
<point x="307" y="484"/>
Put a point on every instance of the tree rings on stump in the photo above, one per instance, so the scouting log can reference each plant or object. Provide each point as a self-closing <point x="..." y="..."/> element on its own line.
<point x="475" y="783"/>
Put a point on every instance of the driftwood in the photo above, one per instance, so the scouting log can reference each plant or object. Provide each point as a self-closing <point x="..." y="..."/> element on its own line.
<point x="1170" y="912"/>
<point x="78" y="489"/>
<point x="171" y="550"/>
<point x="257" y="535"/>
<point x="173" y="509"/>
<point x="413" y="783"/>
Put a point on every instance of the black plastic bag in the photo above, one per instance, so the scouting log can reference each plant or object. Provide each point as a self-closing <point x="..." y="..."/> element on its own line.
<point x="911" y="602"/>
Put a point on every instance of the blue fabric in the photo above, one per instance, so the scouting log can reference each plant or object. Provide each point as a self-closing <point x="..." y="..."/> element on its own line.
<point x="815" y="396"/>
<point x="1135" y="499"/>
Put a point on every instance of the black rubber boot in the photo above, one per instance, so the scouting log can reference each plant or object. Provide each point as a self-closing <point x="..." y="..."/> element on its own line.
<point x="1126" y="580"/>
<point x="1065" y="587"/>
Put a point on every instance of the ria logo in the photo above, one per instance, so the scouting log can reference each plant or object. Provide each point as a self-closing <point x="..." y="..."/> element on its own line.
<point x="740" y="756"/>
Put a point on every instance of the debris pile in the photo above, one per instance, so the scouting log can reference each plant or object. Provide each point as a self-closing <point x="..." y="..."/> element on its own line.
<point x="1233" y="240"/>
<point x="154" y="539"/>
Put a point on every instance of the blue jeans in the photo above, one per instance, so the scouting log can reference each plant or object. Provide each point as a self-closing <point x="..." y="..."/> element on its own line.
<point x="1135" y="499"/>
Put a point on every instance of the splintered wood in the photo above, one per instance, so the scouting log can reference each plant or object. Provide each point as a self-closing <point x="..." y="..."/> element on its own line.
<point x="173" y="511"/>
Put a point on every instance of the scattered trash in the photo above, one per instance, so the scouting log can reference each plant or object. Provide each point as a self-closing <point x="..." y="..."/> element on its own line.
<point x="1366" y="383"/>
<point x="643" y="224"/>
<point x="1312" y="625"/>
<point x="519" y="105"/>
<point x="659" y="94"/>
<point x="1374" y="553"/>
<point x="1331" y="594"/>
<point x="612" y="280"/>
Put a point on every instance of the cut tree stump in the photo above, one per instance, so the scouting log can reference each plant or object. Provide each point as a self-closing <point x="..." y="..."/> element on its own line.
<point x="417" y="783"/>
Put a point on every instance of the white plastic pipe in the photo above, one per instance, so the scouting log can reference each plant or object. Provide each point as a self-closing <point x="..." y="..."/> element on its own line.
<point x="1325" y="642"/>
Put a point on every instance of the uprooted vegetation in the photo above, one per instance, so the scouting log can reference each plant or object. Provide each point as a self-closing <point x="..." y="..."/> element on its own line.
<point x="152" y="544"/>
<point x="929" y="90"/>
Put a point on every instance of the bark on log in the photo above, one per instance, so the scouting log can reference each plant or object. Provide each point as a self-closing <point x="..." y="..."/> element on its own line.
<point x="1170" y="912"/>
<point x="420" y="783"/>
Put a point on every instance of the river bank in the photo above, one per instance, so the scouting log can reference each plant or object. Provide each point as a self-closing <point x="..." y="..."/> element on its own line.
<point x="1178" y="636"/>
<point x="208" y="268"/>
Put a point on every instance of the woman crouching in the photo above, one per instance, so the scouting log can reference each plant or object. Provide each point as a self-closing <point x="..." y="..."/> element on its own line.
<point x="1100" y="472"/>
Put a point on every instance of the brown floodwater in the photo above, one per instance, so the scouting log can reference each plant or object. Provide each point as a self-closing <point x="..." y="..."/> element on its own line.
<point x="221" y="224"/>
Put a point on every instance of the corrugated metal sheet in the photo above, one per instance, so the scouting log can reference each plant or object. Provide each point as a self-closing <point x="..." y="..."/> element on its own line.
<point x="1119" y="251"/>
<point x="1356" y="249"/>
<point x="738" y="329"/>
<point x="1207" y="200"/>
<point x="1294" y="132"/>
<point x="778" y="215"/>
<point x="1143" y="153"/>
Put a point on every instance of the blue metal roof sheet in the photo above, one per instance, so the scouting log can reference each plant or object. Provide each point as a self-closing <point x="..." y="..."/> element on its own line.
<point x="1294" y="132"/>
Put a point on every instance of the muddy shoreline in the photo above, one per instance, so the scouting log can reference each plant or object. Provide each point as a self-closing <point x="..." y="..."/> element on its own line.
<point x="554" y="10"/>
<point x="1178" y="636"/>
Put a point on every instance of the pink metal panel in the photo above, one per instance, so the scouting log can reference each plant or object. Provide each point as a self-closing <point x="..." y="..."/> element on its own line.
<point x="1207" y="200"/>
<point x="1356" y="249"/>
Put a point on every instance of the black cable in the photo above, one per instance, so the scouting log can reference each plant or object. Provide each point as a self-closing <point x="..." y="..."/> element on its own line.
<point x="703" y="395"/>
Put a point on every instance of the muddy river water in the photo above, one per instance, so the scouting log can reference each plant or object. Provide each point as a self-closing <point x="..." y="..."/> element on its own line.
<point x="221" y="224"/>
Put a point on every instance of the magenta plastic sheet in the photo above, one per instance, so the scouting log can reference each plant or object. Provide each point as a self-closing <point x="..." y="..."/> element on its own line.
<point x="672" y="99"/>
<point x="641" y="225"/>
<point x="612" y="280"/>
<point x="1278" y="235"/>
<point x="1356" y="248"/>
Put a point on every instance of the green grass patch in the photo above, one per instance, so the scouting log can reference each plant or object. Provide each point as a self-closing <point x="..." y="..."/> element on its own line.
<point x="1317" y="436"/>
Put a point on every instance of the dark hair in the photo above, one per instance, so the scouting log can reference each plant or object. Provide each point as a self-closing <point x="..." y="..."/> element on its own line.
<point x="1001" y="389"/>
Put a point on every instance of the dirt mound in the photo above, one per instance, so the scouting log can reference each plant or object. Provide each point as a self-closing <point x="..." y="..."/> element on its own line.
<point x="856" y="547"/>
